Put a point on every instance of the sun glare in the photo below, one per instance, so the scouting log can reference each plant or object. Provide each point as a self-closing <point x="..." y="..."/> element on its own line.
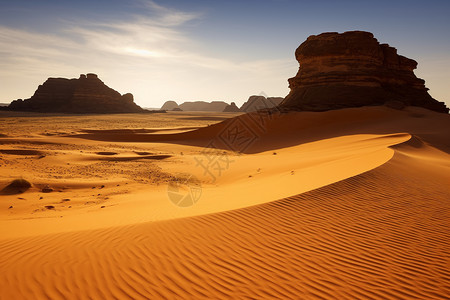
<point x="142" y="52"/>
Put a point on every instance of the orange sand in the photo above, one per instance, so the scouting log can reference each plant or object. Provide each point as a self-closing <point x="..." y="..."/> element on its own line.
<point x="348" y="204"/>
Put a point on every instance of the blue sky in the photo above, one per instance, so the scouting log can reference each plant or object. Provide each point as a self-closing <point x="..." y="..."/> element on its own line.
<point x="203" y="49"/>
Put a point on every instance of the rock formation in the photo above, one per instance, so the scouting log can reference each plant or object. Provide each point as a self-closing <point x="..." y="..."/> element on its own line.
<point x="352" y="69"/>
<point x="255" y="103"/>
<point x="204" y="106"/>
<point x="87" y="94"/>
<point x="231" y="108"/>
<point x="169" y="105"/>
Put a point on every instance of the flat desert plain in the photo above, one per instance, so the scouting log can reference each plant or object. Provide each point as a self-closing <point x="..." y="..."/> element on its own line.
<point x="344" y="204"/>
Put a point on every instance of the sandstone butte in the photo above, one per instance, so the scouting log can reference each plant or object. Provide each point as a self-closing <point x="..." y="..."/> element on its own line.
<point x="353" y="69"/>
<point x="87" y="94"/>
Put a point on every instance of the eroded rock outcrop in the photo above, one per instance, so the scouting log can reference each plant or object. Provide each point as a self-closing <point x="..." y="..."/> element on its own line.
<point x="170" y="105"/>
<point x="255" y="103"/>
<point x="87" y="94"/>
<point x="231" y="108"/>
<point x="353" y="69"/>
<point x="203" y="106"/>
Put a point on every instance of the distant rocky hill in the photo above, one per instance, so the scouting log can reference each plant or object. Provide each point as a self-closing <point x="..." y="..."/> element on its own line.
<point x="169" y="105"/>
<point x="255" y="103"/>
<point x="353" y="69"/>
<point x="203" y="106"/>
<point x="87" y="94"/>
<point x="217" y="106"/>
<point x="231" y="108"/>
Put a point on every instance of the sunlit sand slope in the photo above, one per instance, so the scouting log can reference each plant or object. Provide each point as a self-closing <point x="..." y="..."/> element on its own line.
<point x="383" y="234"/>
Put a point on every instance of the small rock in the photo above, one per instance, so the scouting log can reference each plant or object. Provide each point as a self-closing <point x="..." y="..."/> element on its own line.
<point x="102" y="206"/>
<point x="65" y="200"/>
<point x="47" y="189"/>
<point x="49" y="207"/>
<point x="40" y="198"/>
<point x="102" y="186"/>
<point x="274" y="153"/>
<point x="10" y="207"/>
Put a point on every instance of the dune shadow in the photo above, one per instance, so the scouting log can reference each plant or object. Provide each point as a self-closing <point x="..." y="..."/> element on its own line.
<point x="20" y="152"/>
<point x="206" y="118"/>
<point x="23" y="141"/>
<point x="106" y="153"/>
<point x="132" y="158"/>
<point x="134" y="131"/>
<point x="17" y="186"/>
<point x="261" y="131"/>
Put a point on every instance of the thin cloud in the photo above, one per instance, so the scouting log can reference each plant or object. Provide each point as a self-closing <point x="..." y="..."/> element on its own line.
<point x="170" y="17"/>
<point x="152" y="45"/>
<point x="155" y="37"/>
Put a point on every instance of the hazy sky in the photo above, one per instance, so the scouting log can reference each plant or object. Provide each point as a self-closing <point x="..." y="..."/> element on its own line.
<point x="204" y="49"/>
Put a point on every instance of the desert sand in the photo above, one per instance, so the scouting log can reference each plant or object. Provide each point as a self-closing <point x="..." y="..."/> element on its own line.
<point x="344" y="204"/>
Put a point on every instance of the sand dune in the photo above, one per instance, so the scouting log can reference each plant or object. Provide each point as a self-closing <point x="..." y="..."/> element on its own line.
<point x="376" y="235"/>
<point x="354" y="209"/>
<point x="274" y="131"/>
<point x="292" y="171"/>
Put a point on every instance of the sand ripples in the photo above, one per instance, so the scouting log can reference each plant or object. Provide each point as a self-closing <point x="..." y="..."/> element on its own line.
<point x="378" y="235"/>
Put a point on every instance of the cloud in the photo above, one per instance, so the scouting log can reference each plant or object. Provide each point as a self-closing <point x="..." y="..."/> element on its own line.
<point x="152" y="34"/>
<point x="150" y="50"/>
<point x="170" y="17"/>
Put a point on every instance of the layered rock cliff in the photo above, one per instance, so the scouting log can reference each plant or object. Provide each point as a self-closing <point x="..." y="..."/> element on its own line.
<point x="353" y="69"/>
<point x="87" y="94"/>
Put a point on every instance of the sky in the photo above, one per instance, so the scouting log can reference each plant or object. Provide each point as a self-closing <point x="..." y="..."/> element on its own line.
<point x="207" y="50"/>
